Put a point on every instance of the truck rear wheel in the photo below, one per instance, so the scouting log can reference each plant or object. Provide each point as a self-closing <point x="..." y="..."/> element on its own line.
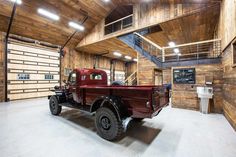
<point x="54" y="106"/>
<point x="107" y="124"/>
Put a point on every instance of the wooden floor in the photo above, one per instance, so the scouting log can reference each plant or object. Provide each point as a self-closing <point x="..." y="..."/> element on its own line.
<point x="28" y="129"/>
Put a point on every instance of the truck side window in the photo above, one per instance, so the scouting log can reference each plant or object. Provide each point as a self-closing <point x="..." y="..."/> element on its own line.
<point x="72" y="78"/>
<point x="95" y="76"/>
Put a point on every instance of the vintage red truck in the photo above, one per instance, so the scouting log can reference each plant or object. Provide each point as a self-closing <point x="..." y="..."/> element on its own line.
<point x="114" y="105"/>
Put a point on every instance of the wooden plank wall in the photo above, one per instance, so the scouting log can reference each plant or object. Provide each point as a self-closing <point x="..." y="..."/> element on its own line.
<point x="145" y="71"/>
<point x="229" y="87"/>
<point x="227" y="31"/>
<point x="227" y="22"/>
<point x="74" y="59"/>
<point x="2" y="75"/>
<point x="185" y="95"/>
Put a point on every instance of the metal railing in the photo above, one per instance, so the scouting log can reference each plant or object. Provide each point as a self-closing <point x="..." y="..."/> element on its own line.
<point x="190" y="51"/>
<point x="148" y="46"/>
<point x="196" y="50"/>
<point x="119" y="24"/>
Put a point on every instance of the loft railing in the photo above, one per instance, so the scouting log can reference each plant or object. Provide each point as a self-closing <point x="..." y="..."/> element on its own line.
<point x="190" y="51"/>
<point x="119" y="24"/>
<point x="196" y="50"/>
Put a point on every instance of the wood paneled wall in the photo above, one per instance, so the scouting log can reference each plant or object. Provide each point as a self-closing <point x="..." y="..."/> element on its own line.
<point x="185" y="95"/>
<point x="2" y="75"/>
<point x="229" y="87"/>
<point x="145" y="71"/>
<point x="74" y="59"/>
<point x="227" y="22"/>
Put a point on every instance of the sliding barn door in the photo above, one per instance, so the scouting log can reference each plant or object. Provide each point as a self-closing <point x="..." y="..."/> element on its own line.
<point x="32" y="70"/>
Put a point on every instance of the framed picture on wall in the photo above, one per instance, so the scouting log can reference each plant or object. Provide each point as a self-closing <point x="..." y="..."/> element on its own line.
<point x="234" y="53"/>
<point x="184" y="76"/>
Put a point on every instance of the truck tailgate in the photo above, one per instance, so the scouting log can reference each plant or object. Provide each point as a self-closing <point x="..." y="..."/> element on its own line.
<point x="160" y="97"/>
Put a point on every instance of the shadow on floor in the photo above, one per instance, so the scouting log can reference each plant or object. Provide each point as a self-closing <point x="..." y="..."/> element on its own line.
<point x="136" y="131"/>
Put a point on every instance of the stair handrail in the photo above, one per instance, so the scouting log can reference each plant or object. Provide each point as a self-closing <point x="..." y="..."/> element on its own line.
<point x="130" y="76"/>
<point x="149" y="41"/>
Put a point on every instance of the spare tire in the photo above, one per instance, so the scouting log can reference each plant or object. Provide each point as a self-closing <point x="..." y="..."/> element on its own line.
<point x="117" y="83"/>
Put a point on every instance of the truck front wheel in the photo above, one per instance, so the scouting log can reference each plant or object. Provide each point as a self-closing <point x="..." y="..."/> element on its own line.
<point x="54" y="106"/>
<point x="107" y="124"/>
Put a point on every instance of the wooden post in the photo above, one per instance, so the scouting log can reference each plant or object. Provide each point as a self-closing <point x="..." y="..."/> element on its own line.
<point x="163" y="55"/>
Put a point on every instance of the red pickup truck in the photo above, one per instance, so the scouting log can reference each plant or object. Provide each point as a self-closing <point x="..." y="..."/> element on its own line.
<point x="114" y="105"/>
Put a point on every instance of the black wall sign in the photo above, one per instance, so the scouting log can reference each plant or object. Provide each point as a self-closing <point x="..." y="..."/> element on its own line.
<point x="184" y="76"/>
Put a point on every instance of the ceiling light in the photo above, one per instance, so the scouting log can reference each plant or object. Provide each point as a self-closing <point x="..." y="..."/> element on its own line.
<point x="19" y="2"/>
<point x="76" y="26"/>
<point x="176" y="50"/>
<point x="135" y="59"/>
<point x="128" y="57"/>
<point x="48" y="14"/>
<point x="117" y="54"/>
<point x="171" y="44"/>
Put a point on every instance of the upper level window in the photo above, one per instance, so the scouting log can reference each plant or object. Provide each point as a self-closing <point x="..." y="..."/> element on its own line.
<point x="72" y="78"/>
<point x="95" y="76"/>
<point x="120" y="18"/>
<point x="48" y="77"/>
<point x="23" y="76"/>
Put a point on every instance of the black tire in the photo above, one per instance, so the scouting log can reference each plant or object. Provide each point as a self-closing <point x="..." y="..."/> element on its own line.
<point x="54" y="106"/>
<point x="107" y="124"/>
<point x="138" y="119"/>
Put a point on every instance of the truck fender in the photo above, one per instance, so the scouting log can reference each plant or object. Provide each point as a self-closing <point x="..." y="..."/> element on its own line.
<point x="110" y="101"/>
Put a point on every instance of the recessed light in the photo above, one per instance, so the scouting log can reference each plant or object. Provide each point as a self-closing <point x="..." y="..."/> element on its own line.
<point x="171" y="44"/>
<point x="128" y="57"/>
<point x="19" y="2"/>
<point x="135" y="59"/>
<point x="48" y="14"/>
<point x="176" y="50"/>
<point x="76" y="26"/>
<point x="117" y="54"/>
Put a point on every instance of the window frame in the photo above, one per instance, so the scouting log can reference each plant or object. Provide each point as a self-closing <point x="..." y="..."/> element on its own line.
<point x="233" y="48"/>
<point x="25" y="74"/>
<point x="95" y="76"/>
<point x="69" y="79"/>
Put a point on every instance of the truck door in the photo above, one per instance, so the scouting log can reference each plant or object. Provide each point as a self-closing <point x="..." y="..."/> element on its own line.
<point x="74" y="86"/>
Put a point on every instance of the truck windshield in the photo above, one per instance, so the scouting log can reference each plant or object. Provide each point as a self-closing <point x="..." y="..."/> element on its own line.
<point x="95" y="76"/>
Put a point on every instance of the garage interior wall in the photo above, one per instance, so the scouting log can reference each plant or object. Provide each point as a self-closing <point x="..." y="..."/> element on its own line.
<point x="74" y="59"/>
<point x="2" y="71"/>
<point x="185" y="95"/>
<point x="227" y="32"/>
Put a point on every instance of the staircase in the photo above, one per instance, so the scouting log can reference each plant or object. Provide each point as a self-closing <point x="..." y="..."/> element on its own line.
<point x="132" y="79"/>
<point x="203" y="52"/>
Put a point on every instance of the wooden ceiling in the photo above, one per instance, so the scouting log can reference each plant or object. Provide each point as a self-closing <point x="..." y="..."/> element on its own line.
<point x="192" y="28"/>
<point x="109" y="46"/>
<point x="29" y="23"/>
